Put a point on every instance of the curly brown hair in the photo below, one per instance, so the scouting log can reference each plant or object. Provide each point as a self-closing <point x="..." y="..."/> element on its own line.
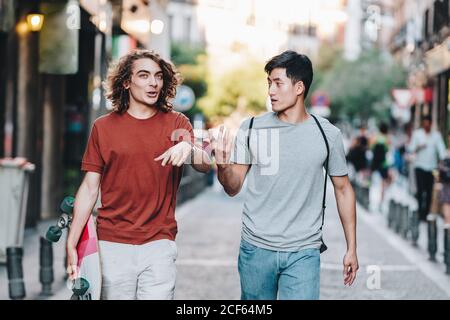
<point x="120" y="73"/>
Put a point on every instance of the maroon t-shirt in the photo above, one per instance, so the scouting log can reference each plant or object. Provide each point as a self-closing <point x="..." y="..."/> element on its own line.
<point x="138" y="195"/>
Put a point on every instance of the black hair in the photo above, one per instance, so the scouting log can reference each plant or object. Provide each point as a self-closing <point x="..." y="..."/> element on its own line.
<point x="427" y="117"/>
<point x="298" y="67"/>
<point x="384" y="128"/>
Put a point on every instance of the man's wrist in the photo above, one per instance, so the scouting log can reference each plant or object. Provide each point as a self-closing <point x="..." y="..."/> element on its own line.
<point x="223" y="166"/>
<point x="351" y="249"/>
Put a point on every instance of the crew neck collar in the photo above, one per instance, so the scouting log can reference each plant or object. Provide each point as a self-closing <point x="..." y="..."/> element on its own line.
<point x="130" y="116"/>
<point x="310" y="119"/>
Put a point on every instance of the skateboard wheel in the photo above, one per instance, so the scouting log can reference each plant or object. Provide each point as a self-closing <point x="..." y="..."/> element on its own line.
<point x="67" y="204"/>
<point x="53" y="234"/>
<point x="81" y="285"/>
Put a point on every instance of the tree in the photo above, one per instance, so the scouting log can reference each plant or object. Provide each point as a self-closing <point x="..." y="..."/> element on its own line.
<point x="243" y="88"/>
<point x="182" y="53"/>
<point x="361" y="88"/>
<point x="327" y="56"/>
<point x="191" y="63"/>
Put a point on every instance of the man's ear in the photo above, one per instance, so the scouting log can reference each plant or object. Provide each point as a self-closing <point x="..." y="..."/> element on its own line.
<point x="300" y="88"/>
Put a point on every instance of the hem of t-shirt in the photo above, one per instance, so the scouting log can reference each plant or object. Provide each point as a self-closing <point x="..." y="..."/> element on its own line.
<point x="277" y="248"/>
<point x="338" y="174"/>
<point x="85" y="166"/>
<point x="423" y="168"/>
<point x="132" y="237"/>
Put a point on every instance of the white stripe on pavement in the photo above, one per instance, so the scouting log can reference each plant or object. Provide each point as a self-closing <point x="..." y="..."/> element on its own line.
<point x="429" y="269"/>
<point x="383" y="267"/>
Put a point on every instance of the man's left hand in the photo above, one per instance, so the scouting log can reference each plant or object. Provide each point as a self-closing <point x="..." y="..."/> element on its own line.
<point x="350" y="267"/>
<point x="176" y="155"/>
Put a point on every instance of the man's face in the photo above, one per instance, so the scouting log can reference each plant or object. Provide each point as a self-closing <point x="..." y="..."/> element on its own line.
<point x="146" y="82"/>
<point x="282" y="92"/>
<point x="426" y="124"/>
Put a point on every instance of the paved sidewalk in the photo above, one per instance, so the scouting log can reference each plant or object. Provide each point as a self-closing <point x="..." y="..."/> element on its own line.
<point x="208" y="244"/>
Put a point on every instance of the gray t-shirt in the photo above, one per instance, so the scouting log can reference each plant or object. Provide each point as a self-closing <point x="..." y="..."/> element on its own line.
<point x="283" y="203"/>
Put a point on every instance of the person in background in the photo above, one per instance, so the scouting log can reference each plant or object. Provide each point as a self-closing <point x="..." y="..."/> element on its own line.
<point x="357" y="154"/>
<point x="428" y="148"/>
<point x="444" y="178"/>
<point x="379" y="163"/>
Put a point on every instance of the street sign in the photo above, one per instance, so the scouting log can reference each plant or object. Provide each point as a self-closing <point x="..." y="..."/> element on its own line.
<point x="403" y="115"/>
<point x="184" y="99"/>
<point x="320" y="99"/>
<point x="320" y="104"/>
<point x="404" y="98"/>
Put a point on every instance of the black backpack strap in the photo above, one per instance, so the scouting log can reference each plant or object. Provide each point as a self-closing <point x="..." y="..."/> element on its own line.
<point x="248" y="138"/>
<point x="326" y="169"/>
<point x="249" y="132"/>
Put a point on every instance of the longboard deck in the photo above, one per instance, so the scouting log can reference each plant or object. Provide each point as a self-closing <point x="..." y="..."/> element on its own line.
<point x="89" y="261"/>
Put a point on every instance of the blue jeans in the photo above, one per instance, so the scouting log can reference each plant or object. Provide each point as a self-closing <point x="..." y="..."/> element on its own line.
<point x="267" y="274"/>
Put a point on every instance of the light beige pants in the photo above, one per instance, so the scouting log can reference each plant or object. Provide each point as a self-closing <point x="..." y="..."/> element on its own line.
<point x="142" y="272"/>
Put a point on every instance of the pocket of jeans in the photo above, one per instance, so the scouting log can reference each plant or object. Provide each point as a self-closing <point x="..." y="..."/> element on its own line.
<point x="311" y="252"/>
<point x="247" y="247"/>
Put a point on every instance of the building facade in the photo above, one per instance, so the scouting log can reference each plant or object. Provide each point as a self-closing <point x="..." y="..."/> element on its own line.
<point x="421" y="41"/>
<point x="51" y="89"/>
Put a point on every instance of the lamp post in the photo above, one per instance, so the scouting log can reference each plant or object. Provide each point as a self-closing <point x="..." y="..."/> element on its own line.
<point x="35" y="21"/>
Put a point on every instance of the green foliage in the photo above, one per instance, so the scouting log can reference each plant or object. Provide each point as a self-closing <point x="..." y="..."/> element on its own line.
<point x="242" y="88"/>
<point x="327" y="57"/>
<point x="191" y="63"/>
<point x="362" y="88"/>
<point x="194" y="76"/>
<point x="185" y="54"/>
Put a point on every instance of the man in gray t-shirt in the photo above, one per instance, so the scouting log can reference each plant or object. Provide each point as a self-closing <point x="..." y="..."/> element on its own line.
<point x="283" y="158"/>
<point x="285" y="184"/>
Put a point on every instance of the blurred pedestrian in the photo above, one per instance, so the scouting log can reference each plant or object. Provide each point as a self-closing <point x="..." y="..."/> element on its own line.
<point x="379" y="163"/>
<point x="126" y="156"/>
<point x="357" y="154"/>
<point x="444" y="178"/>
<point x="282" y="219"/>
<point x="399" y="160"/>
<point x="428" y="148"/>
<point x="363" y="136"/>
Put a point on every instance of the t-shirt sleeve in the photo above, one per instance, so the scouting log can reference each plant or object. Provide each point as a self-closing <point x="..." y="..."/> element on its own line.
<point x="337" y="164"/>
<point x="92" y="158"/>
<point x="184" y="130"/>
<point x="240" y="153"/>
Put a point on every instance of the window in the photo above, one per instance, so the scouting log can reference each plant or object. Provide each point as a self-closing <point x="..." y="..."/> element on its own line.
<point x="440" y="15"/>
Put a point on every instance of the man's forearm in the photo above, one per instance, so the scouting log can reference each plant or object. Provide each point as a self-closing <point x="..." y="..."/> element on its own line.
<point x="345" y="198"/>
<point x="200" y="160"/>
<point x="84" y="203"/>
<point x="230" y="182"/>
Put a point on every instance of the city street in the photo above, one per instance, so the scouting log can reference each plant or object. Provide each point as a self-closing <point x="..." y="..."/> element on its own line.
<point x="107" y="95"/>
<point x="208" y="243"/>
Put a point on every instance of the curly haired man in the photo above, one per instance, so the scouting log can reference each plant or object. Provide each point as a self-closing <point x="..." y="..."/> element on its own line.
<point x="134" y="156"/>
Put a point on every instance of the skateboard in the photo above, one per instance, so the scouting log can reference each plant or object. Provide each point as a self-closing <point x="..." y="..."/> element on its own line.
<point x="88" y="285"/>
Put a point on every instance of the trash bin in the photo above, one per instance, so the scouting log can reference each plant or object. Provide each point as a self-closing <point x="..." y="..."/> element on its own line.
<point x="14" y="178"/>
